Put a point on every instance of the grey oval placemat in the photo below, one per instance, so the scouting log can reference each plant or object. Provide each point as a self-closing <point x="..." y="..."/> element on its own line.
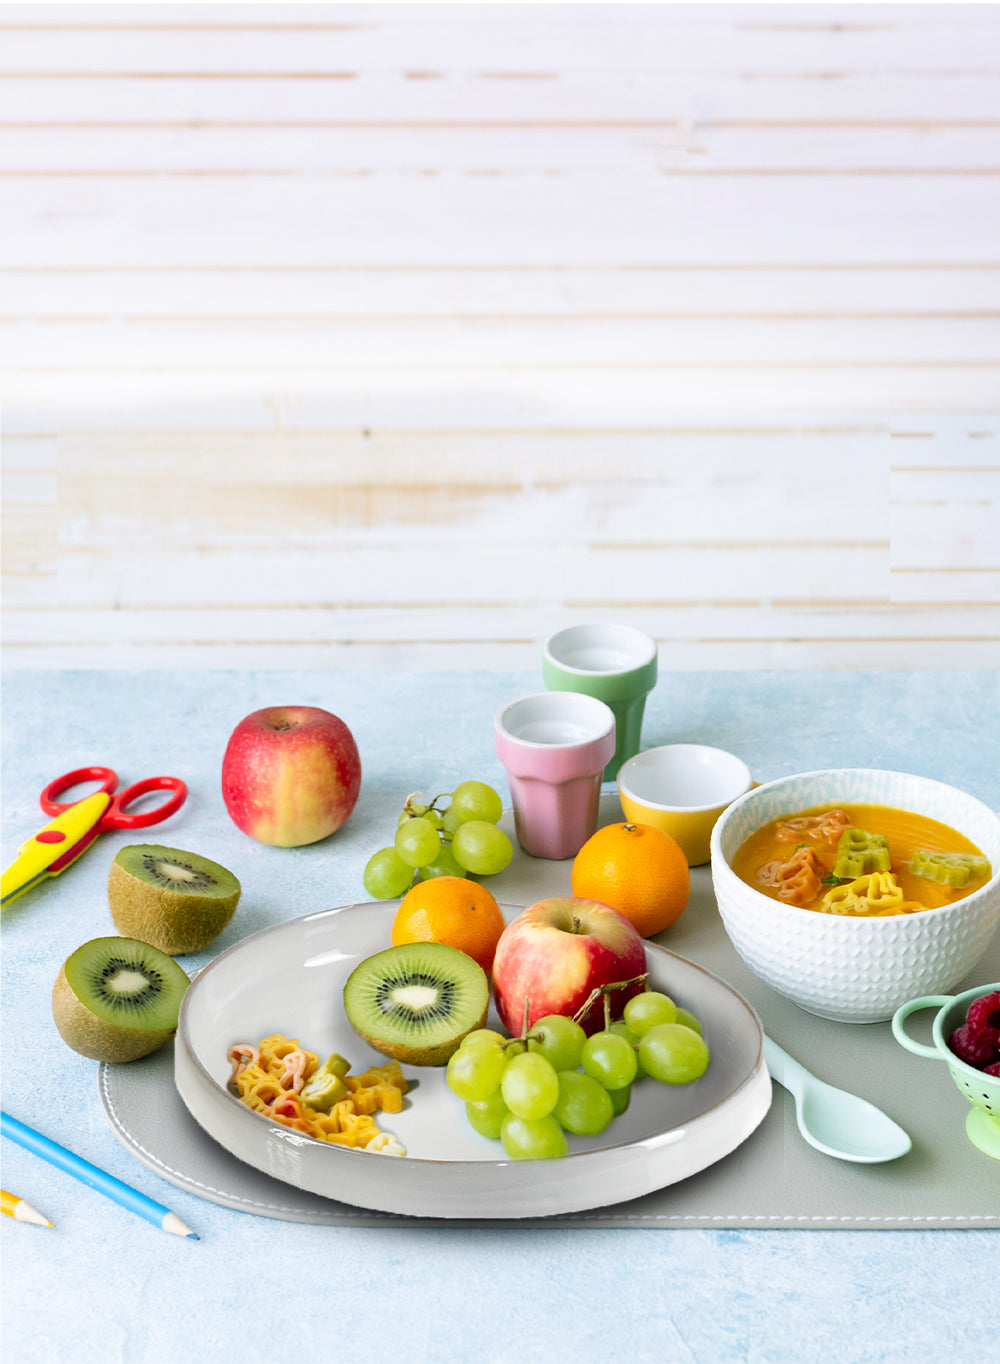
<point x="772" y="1180"/>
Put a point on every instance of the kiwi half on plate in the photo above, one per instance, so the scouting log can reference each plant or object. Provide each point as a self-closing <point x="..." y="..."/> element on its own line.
<point x="178" y="901"/>
<point x="116" y="999"/>
<point x="417" y="1001"/>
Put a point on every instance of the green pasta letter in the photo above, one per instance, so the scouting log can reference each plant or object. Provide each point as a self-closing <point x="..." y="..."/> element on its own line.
<point x="948" y="869"/>
<point x="860" y="852"/>
<point x="327" y="1087"/>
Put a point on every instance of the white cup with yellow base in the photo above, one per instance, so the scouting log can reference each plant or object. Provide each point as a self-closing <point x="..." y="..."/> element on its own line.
<point x="682" y="789"/>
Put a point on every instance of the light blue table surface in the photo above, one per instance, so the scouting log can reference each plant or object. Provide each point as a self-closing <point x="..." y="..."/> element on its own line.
<point x="105" y="1286"/>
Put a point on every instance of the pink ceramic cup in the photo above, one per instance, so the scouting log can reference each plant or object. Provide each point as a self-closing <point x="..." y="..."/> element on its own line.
<point x="554" y="746"/>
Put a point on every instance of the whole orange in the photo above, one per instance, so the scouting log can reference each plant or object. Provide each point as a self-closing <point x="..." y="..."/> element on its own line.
<point x="636" y="869"/>
<point x="454" y="911"/>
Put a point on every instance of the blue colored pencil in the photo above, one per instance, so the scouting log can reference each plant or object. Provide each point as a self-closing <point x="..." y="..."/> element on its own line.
<point x="95" y="1178"/>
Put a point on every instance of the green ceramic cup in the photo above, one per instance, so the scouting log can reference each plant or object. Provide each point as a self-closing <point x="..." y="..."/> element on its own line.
<point x="616" y="664"/>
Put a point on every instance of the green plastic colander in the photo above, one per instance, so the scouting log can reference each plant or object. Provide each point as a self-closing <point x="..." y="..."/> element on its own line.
<point x="982" y="1124"/>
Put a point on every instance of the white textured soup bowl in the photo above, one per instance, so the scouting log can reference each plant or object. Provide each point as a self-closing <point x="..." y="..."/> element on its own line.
<point x="856" y="970"/>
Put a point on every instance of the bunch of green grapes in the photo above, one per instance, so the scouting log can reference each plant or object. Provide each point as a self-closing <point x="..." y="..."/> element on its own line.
<point x="529" y="1092"/>
<point x="459" y="839"/>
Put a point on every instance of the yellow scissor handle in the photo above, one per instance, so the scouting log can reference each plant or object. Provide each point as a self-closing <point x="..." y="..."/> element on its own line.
<point x="35" y="858"/>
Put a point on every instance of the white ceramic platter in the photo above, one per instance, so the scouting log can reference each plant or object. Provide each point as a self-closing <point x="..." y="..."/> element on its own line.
<point x="289" y="979"/>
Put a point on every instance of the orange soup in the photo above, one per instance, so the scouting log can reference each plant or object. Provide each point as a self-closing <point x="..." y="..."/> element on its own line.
<point x="861" y="860"/>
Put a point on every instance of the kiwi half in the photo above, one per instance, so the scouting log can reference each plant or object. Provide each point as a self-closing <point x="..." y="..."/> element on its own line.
<point x="116" y="999"/>
<point x="417" y="1001"/>
<point x="175" y="900"/>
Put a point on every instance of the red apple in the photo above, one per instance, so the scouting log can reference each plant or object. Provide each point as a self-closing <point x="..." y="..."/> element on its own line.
<point x="290" y="775"/>
<point x="554" y="954"/>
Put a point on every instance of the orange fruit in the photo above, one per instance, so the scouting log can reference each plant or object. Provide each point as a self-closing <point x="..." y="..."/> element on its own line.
<point x="454" y="911"/>
<point x="636" y="869"/>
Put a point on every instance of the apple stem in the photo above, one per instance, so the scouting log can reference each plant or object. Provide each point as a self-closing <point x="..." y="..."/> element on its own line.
<point x="524" y="1025"/>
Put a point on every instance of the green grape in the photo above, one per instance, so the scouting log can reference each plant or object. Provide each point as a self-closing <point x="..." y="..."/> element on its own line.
<point x="450" y="821"/>
<point x="411" y="812"/>
<point x="481" y="848"/>
<point x="623" y="1030"/>
<point x="482" y="1037"/>
<point x="610" y="1059"/>
<point x="687" y="1018"/>
<point x="433" y="817"/>
<point x="387" y="876"/>
<point x="475" y="800"/>
<point x="443" y="865"/>
<point x="620" y="1098"/>
<point x="474" y="1073"/>
<point x="417" y="842"/>
<point x="674" y="1054"/>
<point x="583" y="1106"/>
<point x="487" y="1115"/>
<point x="645" y="1011"/>
<point x="530" y="1086"/>
<point x="560" y="1040"/>
<point x="533" y="1139"/>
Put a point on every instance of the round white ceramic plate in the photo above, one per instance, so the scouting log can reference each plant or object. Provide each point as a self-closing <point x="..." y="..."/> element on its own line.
<point x="289" y="979"/>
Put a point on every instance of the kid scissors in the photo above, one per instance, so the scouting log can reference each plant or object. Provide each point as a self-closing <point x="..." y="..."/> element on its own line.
<point x="77" y="823"/>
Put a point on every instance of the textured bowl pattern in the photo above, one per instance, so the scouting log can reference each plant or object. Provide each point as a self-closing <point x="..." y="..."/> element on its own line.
<point x="850" y="969"/>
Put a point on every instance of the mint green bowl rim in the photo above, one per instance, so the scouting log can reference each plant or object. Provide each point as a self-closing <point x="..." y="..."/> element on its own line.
<point x="953" y="1009"/>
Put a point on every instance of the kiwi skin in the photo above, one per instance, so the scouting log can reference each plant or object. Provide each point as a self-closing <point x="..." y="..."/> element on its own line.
<point x="84" y="1032"/>
<point x="421" y="1056"/>
<point x="175" y="920"/>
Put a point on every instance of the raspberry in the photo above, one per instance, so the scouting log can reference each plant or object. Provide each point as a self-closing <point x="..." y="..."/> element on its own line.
<point x="994" y="1069"/>
<point x="983" y="1018"/>
<point x="971" y="1050"/>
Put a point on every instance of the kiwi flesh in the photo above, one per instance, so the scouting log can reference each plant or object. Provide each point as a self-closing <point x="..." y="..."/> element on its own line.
<point x="178" y="901"/>
<point x="417" y="1001"/>
<point x="116" y="999"/>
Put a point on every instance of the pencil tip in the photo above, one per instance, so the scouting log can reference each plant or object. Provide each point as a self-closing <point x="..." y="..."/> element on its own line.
<point x="26" y="1213"/>
<point x="175" y="1226"/>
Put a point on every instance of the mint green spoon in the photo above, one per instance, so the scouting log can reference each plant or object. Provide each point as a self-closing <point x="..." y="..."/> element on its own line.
<point x="835" y="1122"/>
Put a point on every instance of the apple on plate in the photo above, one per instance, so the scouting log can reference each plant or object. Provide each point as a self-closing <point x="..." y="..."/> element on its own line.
<point x="290" y="775"/>
<point x="554" y="955"/>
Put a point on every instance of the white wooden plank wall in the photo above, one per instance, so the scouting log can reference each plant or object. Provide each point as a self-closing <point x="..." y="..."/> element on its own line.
<point x="399" y="335"/>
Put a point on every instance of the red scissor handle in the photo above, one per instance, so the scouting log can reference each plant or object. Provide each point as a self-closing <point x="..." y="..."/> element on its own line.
<point x="51" y="806"/>
<point x="115" y="816"/>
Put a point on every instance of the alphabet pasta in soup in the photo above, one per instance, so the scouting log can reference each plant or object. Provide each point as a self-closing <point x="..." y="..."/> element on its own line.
<point x="867" y="860"/>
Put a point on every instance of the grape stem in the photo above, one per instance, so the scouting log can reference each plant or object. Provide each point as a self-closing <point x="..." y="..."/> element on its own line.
<point x="578" y="1017"/>
<point x="416" y="798"/>
<point x="592" y="998"/>
<point x="605" y="990"/>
